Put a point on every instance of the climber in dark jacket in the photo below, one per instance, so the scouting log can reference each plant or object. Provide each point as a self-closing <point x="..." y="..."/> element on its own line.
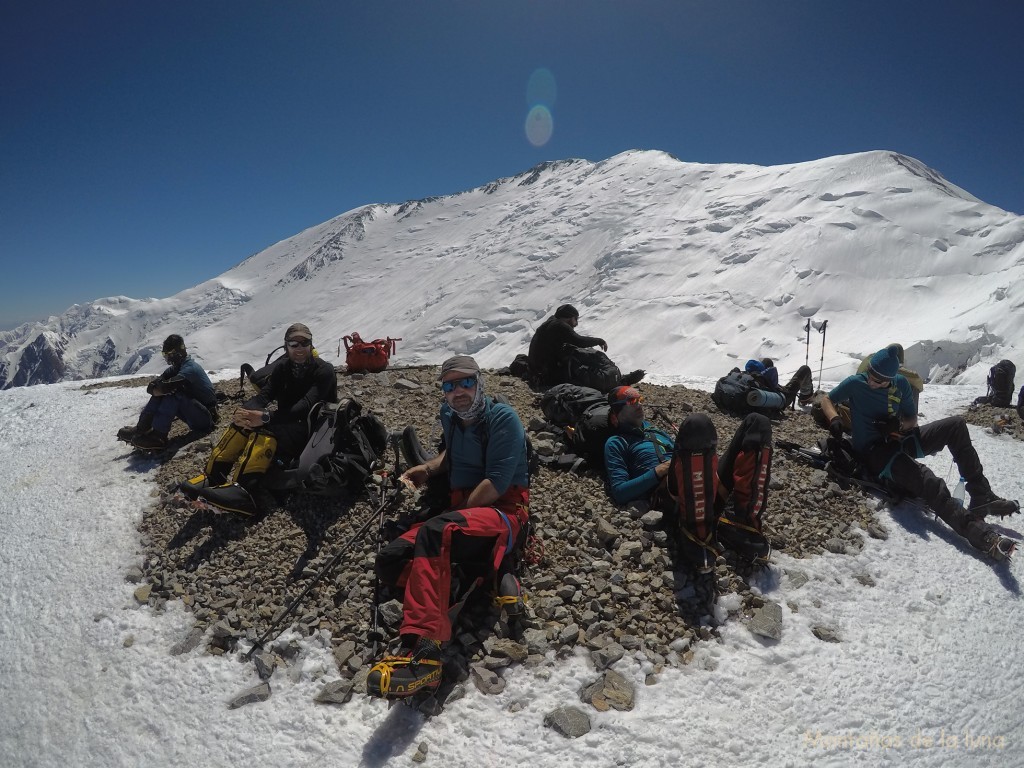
<point x="183" y="391"/>
<point x="258" y="436"/>
<point x="547" y="363"/>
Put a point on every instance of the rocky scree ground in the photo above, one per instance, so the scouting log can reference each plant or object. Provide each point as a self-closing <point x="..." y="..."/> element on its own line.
<point x="608" y="582"/>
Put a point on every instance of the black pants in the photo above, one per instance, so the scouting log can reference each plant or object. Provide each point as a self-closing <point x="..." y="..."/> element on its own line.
<point x="917" y="480"/>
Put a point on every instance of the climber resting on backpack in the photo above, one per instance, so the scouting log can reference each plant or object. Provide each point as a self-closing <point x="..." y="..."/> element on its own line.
<point x="257" y="435"/>
<point x="886" y="439"/>
<point x="182" y="391"/>
<point x="646" y="463"/>
<point x="767" y="375"/>
<point x="485" y="459"/>
<point x="553" y="343"/>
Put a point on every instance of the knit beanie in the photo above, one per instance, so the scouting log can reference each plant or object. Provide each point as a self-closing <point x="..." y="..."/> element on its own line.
<point x="885" y="363"/>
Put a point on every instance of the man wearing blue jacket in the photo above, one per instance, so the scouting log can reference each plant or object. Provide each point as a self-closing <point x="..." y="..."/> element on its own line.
<point x="887" y="440"/>
<point x="182" y="391"/>
<point x="484" y="457"/>
<point x="713" y="504"/>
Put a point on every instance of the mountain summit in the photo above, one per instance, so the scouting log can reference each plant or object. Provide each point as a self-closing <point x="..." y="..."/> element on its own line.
<point x="680" y="266"/>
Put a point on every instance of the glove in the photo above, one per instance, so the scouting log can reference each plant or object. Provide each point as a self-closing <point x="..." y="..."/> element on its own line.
<point x="835" y="427"/>
<point x="890" y="425"/>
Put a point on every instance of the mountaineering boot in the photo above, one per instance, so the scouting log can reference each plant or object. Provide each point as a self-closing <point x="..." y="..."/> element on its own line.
<point x="511" y="596"/>
<point x="745" y="474"/>
<point x="983" y="504"/>
<point x="692" y="485"/>
<point x="150" y="441"/>
<point x="230" y="498"/>
<point x="1000" y="547"/>
<point x="633" y="377"/>
<point x="191" y="486"/>
<point x="801" y="385"/>
<point x="144" y="424"/>
<point x="413" y="670"/>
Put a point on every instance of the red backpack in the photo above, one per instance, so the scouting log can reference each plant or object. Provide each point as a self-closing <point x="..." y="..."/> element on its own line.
<point x="368" y="356"/>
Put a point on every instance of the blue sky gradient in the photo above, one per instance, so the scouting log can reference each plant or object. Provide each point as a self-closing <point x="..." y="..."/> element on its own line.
<point x="146" y="147"/>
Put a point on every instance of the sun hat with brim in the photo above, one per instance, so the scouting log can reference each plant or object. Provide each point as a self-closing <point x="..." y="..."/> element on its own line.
<point x="463" y="364"/>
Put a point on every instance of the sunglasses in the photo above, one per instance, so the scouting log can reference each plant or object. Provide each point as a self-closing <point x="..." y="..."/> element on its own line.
<point x="467" y="383"/>
<point x="630" y="401"/>
<point x="876" y="379"/>
<point x="296" y="343"/>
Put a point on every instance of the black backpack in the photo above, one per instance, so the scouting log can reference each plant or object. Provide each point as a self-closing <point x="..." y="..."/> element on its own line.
<point x="590" y="368"/>
<point x="1000" y="384"/>
<point x="260" y="377"/>
<point x="589" y="434"/>
<point x="344" y="448"/>
<point x="564" y="404"/>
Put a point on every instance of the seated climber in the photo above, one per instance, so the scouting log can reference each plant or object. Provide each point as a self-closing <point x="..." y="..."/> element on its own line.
<point x="257" y="435"/>
<point x="484" y="457"/>
<point x="913" y="377"/>
<point x="182" y="391"/>
<point x="711" y="503"/>
<point x="551" y="348"/>
<point x="887" y="439"/>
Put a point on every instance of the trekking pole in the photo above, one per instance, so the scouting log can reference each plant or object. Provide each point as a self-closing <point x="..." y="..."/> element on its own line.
<point x="807" y="344"/>
<point x="821" y="330"/>
<point x="386" y="499"/>
<point x="376" y="636"/>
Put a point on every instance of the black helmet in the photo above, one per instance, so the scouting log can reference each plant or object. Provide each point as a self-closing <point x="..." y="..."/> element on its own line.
<point x="174" y="349"/>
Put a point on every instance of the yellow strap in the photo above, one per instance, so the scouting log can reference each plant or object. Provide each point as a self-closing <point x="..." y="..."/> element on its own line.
<point x="501" y="600"/>
<point x="388" y="663"/>
<point x="723" y="520"/>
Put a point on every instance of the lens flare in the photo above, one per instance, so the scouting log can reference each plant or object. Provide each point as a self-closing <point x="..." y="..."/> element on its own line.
<point x="539" y="125"/>
<point x="541" y="89"/>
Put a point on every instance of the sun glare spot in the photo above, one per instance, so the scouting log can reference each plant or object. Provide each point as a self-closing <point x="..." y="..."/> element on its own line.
<point x="541" y="89"/>
<point x="539" y="125"/>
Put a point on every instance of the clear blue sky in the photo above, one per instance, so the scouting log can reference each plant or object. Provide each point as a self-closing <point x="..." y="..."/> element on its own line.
<point x="148" y="146"/>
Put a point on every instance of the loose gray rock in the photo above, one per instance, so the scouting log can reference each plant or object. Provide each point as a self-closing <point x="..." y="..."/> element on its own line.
<point x="189" y="643"/>
<point x="343" y="652"/>
<point x="486" y="680"/>
<point x="611" y="691"/>
<point x="606" y="532"/>
<point x="571" y="722"/>
<point x="608" y="655"/>
<point x="767" y="621"/>
<point x="652" y="519"/>
<point x="838" y="546"/>
<point x="406" y="385"/>
<point x="265" y="665"/>
<point x="391" y="613"/>
<point x="253" y="695"/>
<point x="796" y="578"/>
<point x="826" y="634"/>
<point x="337" y="692"/>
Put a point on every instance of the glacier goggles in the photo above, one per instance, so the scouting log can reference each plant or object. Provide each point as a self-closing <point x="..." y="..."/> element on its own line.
<point x="296" y="343"/>
<point x="449" y="386"/>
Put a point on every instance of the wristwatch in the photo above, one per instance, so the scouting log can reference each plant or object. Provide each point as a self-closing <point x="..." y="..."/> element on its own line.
<point x="265" y="417"/>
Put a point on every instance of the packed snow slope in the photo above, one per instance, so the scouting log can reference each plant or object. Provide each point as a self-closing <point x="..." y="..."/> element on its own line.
<point x="677" y="265"/>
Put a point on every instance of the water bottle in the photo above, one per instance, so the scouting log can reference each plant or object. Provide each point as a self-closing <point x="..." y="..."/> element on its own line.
<point x="958" y="493"/>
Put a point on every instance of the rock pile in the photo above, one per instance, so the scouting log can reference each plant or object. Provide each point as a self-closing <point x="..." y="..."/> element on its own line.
<point x="607" y="583"/>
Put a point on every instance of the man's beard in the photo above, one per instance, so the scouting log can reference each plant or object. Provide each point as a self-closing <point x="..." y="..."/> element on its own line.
<point x="476" y="408"/>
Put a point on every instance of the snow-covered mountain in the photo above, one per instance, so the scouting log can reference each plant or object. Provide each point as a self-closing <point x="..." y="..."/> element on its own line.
<point x="680" y="266"/>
